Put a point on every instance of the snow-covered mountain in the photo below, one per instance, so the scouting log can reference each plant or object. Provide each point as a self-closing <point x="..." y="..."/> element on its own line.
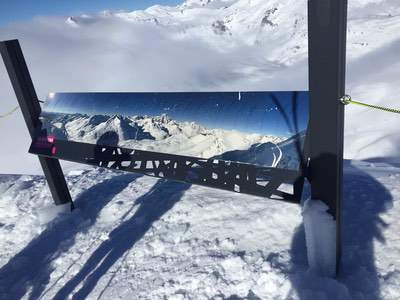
<point x="163" y="134"/>
<point x="285" y="154"/>
<point x="276" y="27"/>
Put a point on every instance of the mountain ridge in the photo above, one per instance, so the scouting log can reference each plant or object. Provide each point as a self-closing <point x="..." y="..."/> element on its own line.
<point x="163" y="134"/>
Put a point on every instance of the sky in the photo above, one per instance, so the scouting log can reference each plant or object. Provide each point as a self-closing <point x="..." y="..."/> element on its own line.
<point x="250" y="112"/>
<point x="25" y="10"/>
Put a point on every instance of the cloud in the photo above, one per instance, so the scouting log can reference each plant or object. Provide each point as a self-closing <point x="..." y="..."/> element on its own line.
<point x="113" y="54"/>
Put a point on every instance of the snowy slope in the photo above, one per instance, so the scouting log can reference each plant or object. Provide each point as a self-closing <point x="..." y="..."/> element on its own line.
<point x="134" y="237"/>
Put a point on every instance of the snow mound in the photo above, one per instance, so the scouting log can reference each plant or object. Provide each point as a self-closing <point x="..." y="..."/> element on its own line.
<point x="320" y="230"/>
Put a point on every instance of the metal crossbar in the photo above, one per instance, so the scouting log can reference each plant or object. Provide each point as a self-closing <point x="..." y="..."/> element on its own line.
<point x="226" y="175"/>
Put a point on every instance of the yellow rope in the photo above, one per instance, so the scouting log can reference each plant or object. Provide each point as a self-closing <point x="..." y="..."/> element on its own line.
<point x="10" y="112"/>
<point x="347" y="100"/>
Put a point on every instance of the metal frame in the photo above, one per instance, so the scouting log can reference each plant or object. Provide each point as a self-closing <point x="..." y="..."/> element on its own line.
<point x="226" y="175"/>
<point x="30" y="107"/>
<point x="327" y="22"/>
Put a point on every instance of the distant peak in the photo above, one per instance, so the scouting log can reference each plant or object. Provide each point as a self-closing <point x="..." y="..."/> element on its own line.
<point x="116" y="116"/>
<point x="208" y="3"/>
<point x="71" y="21"/>
<point x="107" y="13"/>
<point x="163" y="118"/>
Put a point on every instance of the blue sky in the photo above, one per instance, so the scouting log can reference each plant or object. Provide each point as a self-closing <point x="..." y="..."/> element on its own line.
<point x="23" y="10"/>
<point x="252" y="112"/>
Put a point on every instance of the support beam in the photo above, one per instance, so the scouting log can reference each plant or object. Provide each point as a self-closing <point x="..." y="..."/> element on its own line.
<point x="327" y="23"/>
<point x="30" y="107"/>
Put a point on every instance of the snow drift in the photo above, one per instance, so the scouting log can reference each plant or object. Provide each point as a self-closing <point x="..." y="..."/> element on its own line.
<point x="320" y="230"/>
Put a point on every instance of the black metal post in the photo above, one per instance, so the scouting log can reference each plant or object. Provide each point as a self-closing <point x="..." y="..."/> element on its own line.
<point x="327" y="23"/>
<point x="26" y="95"/>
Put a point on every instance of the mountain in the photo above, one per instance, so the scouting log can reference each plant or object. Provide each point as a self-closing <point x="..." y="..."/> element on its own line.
<point x="158" y="133"/>
<point x="258" y="154"/>
<point x="225" y="24"/>
<point x="278" y="28"/>
<point x="290" y="147"/>
<point x="284" y="154"/>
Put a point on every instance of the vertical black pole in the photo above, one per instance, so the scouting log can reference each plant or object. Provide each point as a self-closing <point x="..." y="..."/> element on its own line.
<point x="327" y="23"/>
<point x="30" y="107"/>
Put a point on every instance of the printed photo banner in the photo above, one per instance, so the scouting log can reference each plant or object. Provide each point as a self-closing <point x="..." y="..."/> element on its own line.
<point x="246" y="142"/>
<point x="260" y="128"/>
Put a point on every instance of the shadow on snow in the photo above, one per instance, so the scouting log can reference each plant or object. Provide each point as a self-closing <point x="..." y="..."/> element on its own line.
<point x="364" y="200"/>
<point x="30" y="269"/>
<point x="156" y="202"/>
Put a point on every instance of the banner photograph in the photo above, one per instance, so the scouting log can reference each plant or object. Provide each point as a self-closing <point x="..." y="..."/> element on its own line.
<point x="260" y="128"/>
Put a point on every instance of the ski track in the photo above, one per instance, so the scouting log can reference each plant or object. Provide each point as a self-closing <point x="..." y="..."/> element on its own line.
<point x="277" y="159"/>
<point x="136" y="237"/>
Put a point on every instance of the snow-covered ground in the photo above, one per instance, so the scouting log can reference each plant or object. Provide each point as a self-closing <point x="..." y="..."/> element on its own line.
<point x="135" y="237"/>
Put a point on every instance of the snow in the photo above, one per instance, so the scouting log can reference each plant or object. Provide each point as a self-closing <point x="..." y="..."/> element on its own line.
<point x="72" y="22"/>
<point x="136" y="237"/>
<point x="320" y="231"/>
<point x="47" y="214"/>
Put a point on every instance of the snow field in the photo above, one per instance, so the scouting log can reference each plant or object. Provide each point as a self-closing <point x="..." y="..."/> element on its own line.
<point x="135" y="237"/>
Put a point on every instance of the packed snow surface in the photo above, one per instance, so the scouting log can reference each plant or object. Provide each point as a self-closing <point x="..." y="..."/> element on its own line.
<point x="136" y="237"/>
